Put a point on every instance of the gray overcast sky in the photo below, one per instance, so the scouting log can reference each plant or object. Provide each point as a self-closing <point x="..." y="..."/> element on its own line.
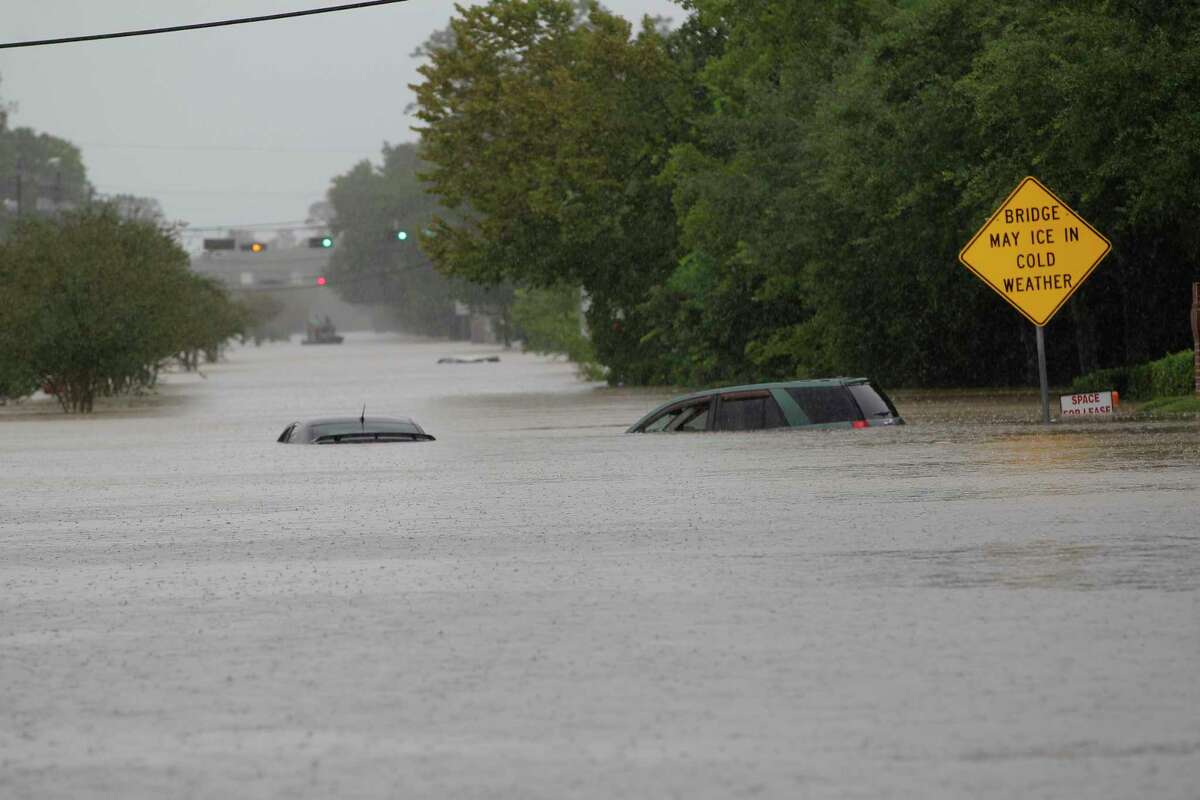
<point x="227" y="126"/>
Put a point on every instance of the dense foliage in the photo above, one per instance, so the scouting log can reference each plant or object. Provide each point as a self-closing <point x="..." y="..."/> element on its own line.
<point x="95" y="303"/>
<point x="779" y="189"/>
<point x="1169" y="376"/>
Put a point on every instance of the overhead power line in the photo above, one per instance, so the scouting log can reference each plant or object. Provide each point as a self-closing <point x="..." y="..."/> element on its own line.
<point x="230" y="148"/>
<point x="187" y="190"/>
<point x="199" y="25"/>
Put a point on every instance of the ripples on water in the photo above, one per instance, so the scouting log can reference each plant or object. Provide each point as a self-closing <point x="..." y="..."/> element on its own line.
<point x="539" y="605"/>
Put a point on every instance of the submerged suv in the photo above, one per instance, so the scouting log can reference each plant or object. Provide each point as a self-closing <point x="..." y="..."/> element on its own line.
<point x="826" y="403"/>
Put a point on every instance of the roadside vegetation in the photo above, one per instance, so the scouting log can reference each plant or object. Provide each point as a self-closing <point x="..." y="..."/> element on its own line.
<point x="1165" y="387"/>
<point x="97" y="304"/>
<point x="551" y="321"/>
<point x="1172" y="376"/>
<point x="779" y="190"/>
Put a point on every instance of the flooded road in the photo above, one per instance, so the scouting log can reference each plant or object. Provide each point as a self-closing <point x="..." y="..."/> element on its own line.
<point x="536" y="606"/>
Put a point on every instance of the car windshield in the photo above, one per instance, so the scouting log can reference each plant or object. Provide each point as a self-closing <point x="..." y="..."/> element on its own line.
<point x="355" y="427"/>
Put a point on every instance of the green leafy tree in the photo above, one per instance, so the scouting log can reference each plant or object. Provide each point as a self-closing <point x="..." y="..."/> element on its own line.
<point x="94" y="303"/>
<point x="546" y="124"/>
<point x="1106" y="115"/>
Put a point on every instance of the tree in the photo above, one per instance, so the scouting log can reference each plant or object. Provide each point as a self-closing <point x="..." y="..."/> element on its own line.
<point x="1111" y="122"/>
<point x="546" y="124"/>
<point x="93" y="304"/>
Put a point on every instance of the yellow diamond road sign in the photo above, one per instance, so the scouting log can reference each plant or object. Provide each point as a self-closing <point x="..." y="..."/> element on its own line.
<point x="1035" y="251"/>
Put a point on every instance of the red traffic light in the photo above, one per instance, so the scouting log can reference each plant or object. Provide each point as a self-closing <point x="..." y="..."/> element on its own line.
<point x="321" y="280"/>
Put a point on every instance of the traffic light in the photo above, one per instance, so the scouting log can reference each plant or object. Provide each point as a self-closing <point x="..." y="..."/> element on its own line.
<point x="321" y="241"/>
<point x="321" y="280"/>
<point x="254" y="247"/>
<point x="401" y="235"/>
<point x="220" y="244"/>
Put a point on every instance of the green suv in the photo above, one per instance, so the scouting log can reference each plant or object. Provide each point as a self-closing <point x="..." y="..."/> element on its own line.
<point x="826" y="403"/>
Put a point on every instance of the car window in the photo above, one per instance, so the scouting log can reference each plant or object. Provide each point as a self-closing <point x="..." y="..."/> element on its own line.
<point x="693" y="418"/>
<point x="823" y="404"/>
<point x="286" y="436"/>
<point x="662" y="421"/>
<point x="873" y="402"/>
<point x="749" y="413"/>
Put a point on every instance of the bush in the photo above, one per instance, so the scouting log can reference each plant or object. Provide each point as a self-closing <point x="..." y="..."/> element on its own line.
<point x="1174" y="375"/>
<point x="1171" y="376"/>
<point x="96" y="302"/>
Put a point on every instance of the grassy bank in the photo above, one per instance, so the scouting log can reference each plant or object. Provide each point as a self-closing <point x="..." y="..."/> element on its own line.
<point x="1170" y="407"/>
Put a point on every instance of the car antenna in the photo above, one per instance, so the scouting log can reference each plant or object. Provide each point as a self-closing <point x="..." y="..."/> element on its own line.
<point x="362" y="418"/>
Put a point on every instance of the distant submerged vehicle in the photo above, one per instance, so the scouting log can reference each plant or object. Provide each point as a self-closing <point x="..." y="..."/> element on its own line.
<point x="468" y="359"/>
<point x="321" y="332"/>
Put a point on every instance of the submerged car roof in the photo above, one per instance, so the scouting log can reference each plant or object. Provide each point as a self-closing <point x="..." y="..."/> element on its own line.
<point x="750" y="387"/>
<point x="365" y="420"/>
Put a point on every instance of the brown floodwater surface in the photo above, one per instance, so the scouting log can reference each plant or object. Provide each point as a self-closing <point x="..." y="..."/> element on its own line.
<point x="537" y="605"/>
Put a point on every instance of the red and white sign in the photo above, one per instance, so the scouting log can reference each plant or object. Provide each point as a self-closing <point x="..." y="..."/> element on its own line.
<point x="1089" y="403"/>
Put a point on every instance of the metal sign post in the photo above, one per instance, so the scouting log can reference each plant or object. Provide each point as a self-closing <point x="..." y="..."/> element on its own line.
<point x="1041" y="347"/>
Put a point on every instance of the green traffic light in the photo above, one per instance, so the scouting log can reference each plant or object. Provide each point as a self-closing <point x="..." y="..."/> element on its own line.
<point x="326" y="242"/>
<point x="402" y="235"/>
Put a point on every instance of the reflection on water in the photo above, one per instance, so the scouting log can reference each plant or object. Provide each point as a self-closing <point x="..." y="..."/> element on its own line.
<point x="540" y="605"/>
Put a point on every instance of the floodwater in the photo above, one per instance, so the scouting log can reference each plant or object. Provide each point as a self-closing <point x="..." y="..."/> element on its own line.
<point x="537" y="606"/>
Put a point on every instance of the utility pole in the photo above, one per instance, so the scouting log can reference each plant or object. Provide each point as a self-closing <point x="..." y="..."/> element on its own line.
<point x="20" y="179"/>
